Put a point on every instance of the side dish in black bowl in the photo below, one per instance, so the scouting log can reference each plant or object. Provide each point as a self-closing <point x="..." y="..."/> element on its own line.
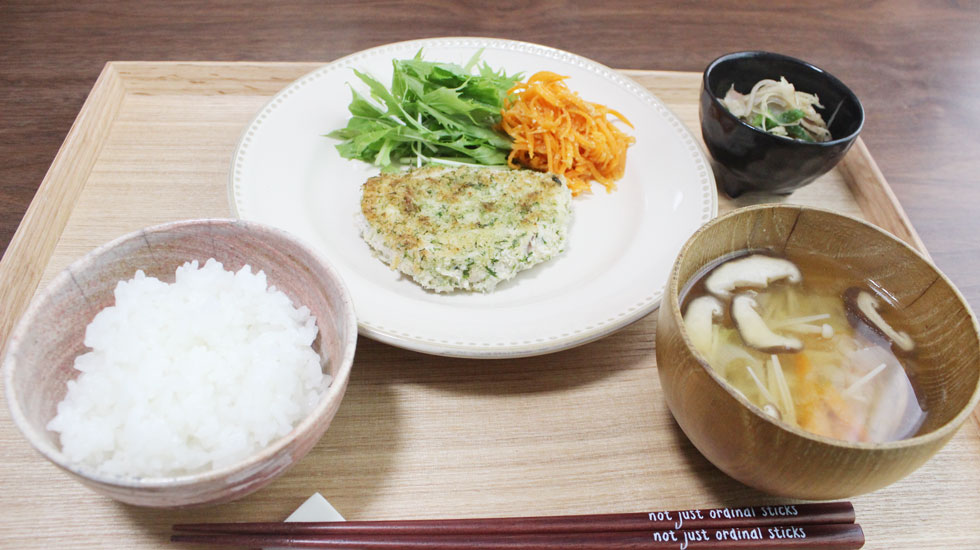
<point x="789" y="145"/>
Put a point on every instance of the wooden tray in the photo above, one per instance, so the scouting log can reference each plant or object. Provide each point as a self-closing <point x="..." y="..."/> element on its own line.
<point x="585" y="430"/>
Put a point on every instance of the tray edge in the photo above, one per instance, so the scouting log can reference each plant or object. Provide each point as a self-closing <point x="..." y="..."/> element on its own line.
<point x="49" y="211"/>
<point x="32" y="245"/>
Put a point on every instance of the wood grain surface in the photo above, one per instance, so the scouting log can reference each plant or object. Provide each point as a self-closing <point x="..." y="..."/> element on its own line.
<point x="586" y="430"/>
<point x="913" y="64"/>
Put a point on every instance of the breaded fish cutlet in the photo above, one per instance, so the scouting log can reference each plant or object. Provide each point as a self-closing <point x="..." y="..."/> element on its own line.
<point x="465" y="228"/>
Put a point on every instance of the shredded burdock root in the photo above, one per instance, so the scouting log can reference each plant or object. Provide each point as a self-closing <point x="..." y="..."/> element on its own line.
<point x="554" y="130"/>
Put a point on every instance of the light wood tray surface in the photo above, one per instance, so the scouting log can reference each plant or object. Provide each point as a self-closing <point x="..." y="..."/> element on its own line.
<point x="581" y="431"/>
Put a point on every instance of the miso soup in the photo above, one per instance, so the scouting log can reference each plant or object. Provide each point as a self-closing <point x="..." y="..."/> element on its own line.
<point x="808" y="342"/>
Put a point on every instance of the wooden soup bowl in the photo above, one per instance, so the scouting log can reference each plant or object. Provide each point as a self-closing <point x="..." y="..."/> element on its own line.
<point x="780" y="459"/>
<point x="42" y="349"/>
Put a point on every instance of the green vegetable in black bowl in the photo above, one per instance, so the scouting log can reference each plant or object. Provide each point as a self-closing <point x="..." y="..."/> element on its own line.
<point x="778" y="108"/>
<point x="748" y="158"/>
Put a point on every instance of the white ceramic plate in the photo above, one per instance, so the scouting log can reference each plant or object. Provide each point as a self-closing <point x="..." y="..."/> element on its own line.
<point x="621" y="245"/>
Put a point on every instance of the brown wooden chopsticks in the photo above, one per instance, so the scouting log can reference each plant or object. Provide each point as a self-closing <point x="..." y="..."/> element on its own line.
<point x="822" y="525"/>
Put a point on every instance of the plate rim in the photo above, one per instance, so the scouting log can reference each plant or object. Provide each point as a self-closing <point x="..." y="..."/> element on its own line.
<point x="435" y="346"/>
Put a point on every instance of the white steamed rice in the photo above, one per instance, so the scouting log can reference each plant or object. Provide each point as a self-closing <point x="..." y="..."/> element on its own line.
<point x="189" y="376"/>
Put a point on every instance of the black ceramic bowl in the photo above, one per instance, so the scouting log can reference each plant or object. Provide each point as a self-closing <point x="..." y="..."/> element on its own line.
<point x="746" y="158"/>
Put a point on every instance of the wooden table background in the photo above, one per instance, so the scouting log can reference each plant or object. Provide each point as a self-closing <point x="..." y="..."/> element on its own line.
<point x="915" y="65"/>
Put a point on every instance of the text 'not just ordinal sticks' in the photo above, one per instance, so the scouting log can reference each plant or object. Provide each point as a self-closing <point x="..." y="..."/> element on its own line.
<point x="821" y="525"/>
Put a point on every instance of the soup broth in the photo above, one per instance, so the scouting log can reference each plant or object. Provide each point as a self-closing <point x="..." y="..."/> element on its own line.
<point x="809" y="342"/>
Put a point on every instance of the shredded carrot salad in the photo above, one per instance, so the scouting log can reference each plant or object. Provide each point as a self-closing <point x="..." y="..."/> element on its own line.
<point x="555" y="130"/>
